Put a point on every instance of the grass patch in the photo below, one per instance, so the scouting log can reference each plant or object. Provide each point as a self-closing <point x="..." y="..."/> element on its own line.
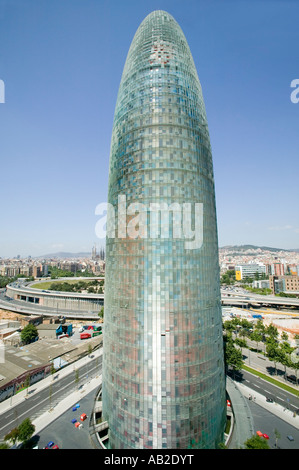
<point x="46" y="285"/>
<point x="42" y="285"/>
<point x="271" y="380"/>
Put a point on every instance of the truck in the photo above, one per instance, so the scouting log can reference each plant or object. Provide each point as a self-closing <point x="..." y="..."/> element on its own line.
<point x="96" y="333"/>
<point x="85" y="335"/>
<point x="66" y="329"/>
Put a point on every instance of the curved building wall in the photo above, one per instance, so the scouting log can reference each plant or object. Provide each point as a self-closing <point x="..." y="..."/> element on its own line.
<point x="163" y="372"/>
<point x="56" y="301"/>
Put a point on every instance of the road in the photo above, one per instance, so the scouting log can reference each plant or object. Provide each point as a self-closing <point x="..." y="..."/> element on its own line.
<point x="268" y="423"/>
<point x="39" y="401"/>
<point x="63" y="432"/>
<point x="261" y="363"/>
<point x="249" y="297"/>
<point x="256" y="384"/>
<point x="22" y="307"/>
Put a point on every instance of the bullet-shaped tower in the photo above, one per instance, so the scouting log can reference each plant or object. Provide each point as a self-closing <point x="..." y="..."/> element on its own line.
<point x="163" y="367"/>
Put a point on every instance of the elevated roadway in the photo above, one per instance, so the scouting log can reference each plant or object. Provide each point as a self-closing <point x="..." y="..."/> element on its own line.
<point x="75" y="305"/>
<point x="249" y="299"/>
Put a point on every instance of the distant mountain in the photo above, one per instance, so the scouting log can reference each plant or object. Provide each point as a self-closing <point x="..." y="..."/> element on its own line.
<point x="241" y="248"/>
<point x="231" y="248"/>
<point x="65" y="254"/>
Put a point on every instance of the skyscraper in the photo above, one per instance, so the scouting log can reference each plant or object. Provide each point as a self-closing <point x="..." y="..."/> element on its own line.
<point x="163" y="370"/>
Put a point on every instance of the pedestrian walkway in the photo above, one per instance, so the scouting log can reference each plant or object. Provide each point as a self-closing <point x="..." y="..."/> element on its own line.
<point x="243" y="426"/>
<point x="274" y="408"/>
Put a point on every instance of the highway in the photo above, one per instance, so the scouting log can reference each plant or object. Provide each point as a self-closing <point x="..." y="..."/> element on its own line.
<point x="233" y="296"/>
<point x="229" y="297"/>
<point x="22" y="307"/>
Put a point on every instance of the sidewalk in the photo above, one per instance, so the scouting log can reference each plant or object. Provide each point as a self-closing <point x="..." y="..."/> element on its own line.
<point x="243" y="425"/>
<point x="273" y="408"/>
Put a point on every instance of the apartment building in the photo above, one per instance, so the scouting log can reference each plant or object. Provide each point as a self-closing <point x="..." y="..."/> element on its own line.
<point x="284" y="283"/>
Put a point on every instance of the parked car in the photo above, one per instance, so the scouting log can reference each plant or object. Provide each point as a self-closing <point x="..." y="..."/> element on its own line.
<point x="292" y="378"/>
<point x="49" y="445"/>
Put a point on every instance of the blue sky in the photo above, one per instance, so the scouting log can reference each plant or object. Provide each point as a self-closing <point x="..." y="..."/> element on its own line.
<point x="61" y="62"/>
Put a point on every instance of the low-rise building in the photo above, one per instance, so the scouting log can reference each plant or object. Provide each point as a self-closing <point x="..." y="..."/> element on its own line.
<point x="284" y="283"/>
<point x="249" y="270"/>
<point x="261" y="284"/>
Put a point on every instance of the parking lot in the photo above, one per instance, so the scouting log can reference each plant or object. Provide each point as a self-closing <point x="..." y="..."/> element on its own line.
<point x="63" y="432"/>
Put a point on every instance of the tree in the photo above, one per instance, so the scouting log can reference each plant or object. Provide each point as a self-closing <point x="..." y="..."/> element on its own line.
<point x="271" y="332"/>
<point x="233" y="356"/>
<point x="101" y="312"/>
<point x="277" y="436"/>
<point x="25" y="430"/>
<point x="27" y="382"/>
<point x="77" y="379"/>
<point x="229" y="277"/>
<point x="231" y="325"/>
<point x="246" y="324"/>
<point x="3" y="445"/>
<point x="256" y="336"/>
<point x="294" y="361"/>
<point x="53" y="370"/>
<point x="260" y="326"/>
<point x="284" y="360"/>
<point x="284" y="336"/>
<point x="256" y="442"/>
<point x="29" y="333"/>
<point x="12" y="435"/>
<point x="261" y="329"/>
<point x="274" y="353"/>
<point x="241" y="343"/>
<point x="285" y="351"/>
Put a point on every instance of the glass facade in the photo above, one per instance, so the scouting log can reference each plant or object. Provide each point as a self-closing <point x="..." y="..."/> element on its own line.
<point x="163" y="369"/>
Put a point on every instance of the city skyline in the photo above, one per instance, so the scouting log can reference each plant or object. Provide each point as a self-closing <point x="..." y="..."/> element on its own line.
<point x="60" y="95"/>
